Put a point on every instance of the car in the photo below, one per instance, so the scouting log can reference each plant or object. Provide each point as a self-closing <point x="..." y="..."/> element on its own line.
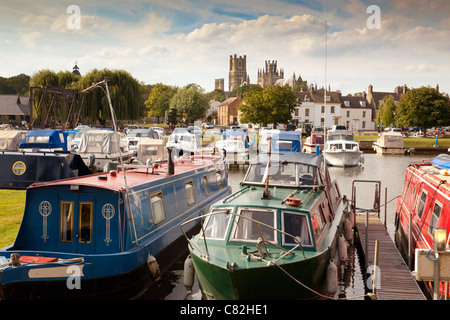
<point x="207" y="125"/>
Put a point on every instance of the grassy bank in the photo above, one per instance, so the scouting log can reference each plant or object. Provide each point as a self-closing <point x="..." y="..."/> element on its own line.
<point x="411" y="142"/>
<point x="12" y="204"/>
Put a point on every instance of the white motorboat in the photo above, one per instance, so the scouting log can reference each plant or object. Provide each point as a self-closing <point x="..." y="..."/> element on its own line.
<point x="389" y="143"/>
<point x="341" y="150"/>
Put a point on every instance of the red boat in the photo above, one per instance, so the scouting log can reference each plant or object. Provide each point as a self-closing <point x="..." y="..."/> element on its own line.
<point x="311" y="143"/>
<point x="425" y="202"/>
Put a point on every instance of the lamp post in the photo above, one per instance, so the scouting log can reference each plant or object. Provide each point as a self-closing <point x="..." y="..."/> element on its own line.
<point x="439" y="246"/>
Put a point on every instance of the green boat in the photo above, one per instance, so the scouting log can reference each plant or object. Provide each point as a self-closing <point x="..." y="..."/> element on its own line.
<point x="278" y="236"/>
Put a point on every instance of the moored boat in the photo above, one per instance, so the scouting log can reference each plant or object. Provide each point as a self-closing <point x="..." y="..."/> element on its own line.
<point x="107" y="235"/>
<point x="275" y="238"/>
<point x="314" y="141"/>
<point x="99" y="148"/>
<point x="234" y="146"/>
<point x="425" y="202"/>
<point x="42" y="156"/>
<point x="389" y="143"/>
<point x="341" y="150"/>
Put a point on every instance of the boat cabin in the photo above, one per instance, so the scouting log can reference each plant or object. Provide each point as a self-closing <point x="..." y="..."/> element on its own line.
<point x="286" y="141"/>
<point x="44" y="140"/>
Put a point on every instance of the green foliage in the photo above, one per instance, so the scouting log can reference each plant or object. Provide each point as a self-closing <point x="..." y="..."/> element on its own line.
<point x="158" y="101"/>
<point x="386" y="114"/>
<point x="423" y="107"/>
<point x="191" y="102"/>
<point x="19" y="84"/>
<point x="270" y="105"/>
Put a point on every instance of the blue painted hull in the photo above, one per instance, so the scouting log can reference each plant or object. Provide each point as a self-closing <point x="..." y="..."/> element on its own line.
<point x="111" y="260"/>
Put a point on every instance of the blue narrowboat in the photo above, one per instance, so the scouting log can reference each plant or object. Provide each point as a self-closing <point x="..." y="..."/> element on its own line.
<point x="42" y="157"/>
<point x="108" y="235"/>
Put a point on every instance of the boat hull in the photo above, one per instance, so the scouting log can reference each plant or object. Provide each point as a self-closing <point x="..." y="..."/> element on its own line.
<point x="264" y="283"/>
<point x="343" y="158"/>
<point x="384" y="150"/>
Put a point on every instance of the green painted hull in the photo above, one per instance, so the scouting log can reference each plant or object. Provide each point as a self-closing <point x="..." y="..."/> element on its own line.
<point x="262" y="283"/>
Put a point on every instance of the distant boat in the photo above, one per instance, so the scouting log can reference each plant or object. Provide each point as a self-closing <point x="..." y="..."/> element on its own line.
<point x="42" y="156"/>
<point x="10" y="140"/>
<point x="234" y="146"/>
<point x="286" y="141"/>
<point x="134" y="136"/>
<point x="153" y="150"/>
<point x="99" y="148"/>
<point x="341" y="150"/>
<point x="276" y="237"/>
<point x="108" y="235"/>
<point x="314" y="141"/>
<point x="389" y="143"/>
<point x="184" y="141"/>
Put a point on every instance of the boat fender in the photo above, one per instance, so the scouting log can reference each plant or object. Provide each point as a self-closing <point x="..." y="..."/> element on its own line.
<point x="153" y="266"/>
<point x="348" y="231"/>
<point x="342" y="248"/>
<point x="332" y="277"/>
<point x="14" y="259"/>
<point x="189" y="273"/>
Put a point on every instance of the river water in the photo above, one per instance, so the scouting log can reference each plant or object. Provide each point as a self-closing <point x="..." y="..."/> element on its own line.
<point x="388" y="169"/>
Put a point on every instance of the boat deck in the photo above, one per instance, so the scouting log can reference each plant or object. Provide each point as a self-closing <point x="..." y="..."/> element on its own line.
<point x="396" y="282"/>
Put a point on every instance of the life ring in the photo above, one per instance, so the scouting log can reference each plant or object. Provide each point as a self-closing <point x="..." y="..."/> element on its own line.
<point x="293" y="201"/>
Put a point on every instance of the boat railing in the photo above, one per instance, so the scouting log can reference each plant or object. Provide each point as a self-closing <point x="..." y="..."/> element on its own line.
<point x="206" y="255"/>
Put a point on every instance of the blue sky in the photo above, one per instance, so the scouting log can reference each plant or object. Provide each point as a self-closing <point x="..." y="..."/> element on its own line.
<point x="178" y="42"/>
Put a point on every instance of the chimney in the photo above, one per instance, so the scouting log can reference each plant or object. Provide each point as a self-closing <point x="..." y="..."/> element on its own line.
<point x="171" y="168"/>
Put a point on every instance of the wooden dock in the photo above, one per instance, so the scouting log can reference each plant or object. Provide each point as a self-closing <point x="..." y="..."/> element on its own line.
<point x="396" y="281"/>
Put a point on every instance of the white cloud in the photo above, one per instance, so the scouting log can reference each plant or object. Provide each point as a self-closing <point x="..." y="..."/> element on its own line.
<point x="29" y="39"/>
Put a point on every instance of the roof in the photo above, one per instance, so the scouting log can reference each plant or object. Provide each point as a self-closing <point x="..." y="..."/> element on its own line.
<point x="12" y="104"/>
<point x="355" y="102"/>
<point x="229" y="101"/>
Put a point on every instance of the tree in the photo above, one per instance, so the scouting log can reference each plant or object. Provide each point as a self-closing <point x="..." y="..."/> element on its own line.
<point x="386" y="113"/>
<point x="270" y="105"/>
<point x="191" y="101"/>
<point x="158" y="101"/>
<point x="423" y="107"/>
<point x="125" y="93"/>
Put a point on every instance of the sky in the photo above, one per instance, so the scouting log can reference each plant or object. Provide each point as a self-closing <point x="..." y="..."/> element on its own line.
<point x="177" y="42"/>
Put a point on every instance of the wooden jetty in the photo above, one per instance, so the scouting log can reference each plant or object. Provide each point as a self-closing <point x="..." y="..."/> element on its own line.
<point x="395" y="280"/>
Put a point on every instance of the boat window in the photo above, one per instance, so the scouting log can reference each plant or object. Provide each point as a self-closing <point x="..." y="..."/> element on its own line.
<point x="205" y="185"/>
<point x="66" y="221"/>
<point x="435" y="218"/>
<point x="219" y="178"/>
<point x="283" y="173"/>
<point x="37" y="139"/>
<point x="85" y="222"/>
<point x="412" y="197"/>
<point x="318" y="222"/>
<point x="190" y="192"/>
<point x="423" y="199"/>
<point x="249" y="230"/>
<point x="158" y="211"/>
<point x="256" y="173"/>
<point x="216" y="225"/>
<point x="297" y="226"/>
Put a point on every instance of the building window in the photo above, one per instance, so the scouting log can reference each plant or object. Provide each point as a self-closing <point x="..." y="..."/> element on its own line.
<point x="363" y="124"/>
<point x="322" y="109"/>
<point x="190" y="192"/>
<point x="157" y="203"/>
<point x="332" y="109"/>
<point x="306" y="112"/>
<point x="364" y="114"/>
<point x="296" y="112"/>
<point x="348" y="114"/>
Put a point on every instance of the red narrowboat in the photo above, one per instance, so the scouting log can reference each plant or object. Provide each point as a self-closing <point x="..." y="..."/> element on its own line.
<point x="425" y="202"/>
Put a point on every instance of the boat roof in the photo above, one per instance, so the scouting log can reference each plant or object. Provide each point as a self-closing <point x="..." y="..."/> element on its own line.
<point x="136" y="175"/>
<point x="292" y="157"/>
<point x="53" y="141"/>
